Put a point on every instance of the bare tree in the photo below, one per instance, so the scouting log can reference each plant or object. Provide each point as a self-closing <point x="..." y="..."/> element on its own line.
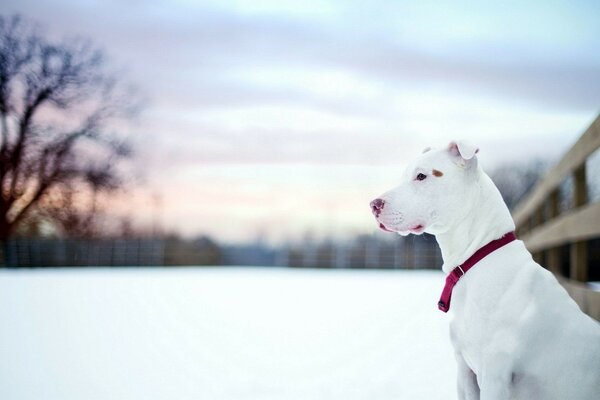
<point x="57" y="100"/>
<point x="515" y="181"/>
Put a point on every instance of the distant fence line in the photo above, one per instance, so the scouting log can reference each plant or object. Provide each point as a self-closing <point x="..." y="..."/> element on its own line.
<point x="368" y="252"/>
<point x="403" y="253"/>
<point x="72" y="252"/>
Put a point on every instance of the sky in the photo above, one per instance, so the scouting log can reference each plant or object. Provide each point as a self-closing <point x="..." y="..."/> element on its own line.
<point x="274" y="119"/>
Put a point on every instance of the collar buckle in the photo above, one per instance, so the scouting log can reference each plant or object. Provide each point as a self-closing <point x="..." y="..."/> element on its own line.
<point x="454" y="276"/>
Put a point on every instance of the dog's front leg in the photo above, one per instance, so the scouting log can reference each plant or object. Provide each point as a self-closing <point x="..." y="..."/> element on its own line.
<point x="466" y="380"/>
<point x="495" y="391"/>
<point x="495" y="384"/>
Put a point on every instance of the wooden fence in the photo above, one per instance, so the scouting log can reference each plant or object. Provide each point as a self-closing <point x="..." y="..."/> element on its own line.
<point x="567" y="241"/>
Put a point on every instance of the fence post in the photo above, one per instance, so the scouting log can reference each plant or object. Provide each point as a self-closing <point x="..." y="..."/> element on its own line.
<point x="372" y="252"/>
<point x="3" y="261"/>
<point x="341" y="255"/>
<point x="409" y="252"/>
<point x="398" y="250"/>
<point x="579" y="250"/>
<point x="553" y="259"/>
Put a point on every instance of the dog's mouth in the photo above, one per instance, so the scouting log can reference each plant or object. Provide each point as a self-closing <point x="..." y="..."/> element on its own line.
<point x="382" y="226"/>
<point x="416" y="229"/>
<point x="419" y="228"/>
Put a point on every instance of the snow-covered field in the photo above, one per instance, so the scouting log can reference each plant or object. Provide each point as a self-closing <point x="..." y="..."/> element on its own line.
<point x="223" y="333"/>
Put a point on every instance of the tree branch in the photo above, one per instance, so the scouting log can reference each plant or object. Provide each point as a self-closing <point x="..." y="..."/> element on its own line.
<point x="69" y="81"/>
<point x="16" y="156"/>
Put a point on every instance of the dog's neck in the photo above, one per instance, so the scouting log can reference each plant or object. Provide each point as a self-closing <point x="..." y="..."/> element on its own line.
<point x="487" y="219"/>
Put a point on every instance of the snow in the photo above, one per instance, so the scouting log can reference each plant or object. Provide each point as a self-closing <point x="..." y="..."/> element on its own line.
<point x="223" y="333"/>
<point x="595" y="286"/>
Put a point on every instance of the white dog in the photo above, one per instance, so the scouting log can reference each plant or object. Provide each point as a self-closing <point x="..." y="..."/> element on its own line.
<point x="516" y="332"/>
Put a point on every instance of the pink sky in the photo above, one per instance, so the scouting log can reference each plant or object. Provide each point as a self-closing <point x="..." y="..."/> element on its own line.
<point x="275" y="118"/>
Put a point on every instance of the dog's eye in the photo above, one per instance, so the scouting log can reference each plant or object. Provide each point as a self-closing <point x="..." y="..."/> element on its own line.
<point x="421" y="177"/>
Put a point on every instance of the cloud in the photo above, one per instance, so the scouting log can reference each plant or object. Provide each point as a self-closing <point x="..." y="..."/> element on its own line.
<point x="177" y="44"/>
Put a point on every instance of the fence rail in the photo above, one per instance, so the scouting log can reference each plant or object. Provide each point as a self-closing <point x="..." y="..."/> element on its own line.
<point x="567" y="243"/>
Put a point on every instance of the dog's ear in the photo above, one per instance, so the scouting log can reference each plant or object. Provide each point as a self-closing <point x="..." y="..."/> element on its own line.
<point x="464" y="151"/>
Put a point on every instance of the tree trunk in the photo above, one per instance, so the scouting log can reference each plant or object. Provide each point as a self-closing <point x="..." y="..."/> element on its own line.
<point x="5" y="228"/>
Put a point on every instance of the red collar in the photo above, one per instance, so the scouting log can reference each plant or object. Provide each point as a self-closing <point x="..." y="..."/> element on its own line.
<point x="458" y="272"/>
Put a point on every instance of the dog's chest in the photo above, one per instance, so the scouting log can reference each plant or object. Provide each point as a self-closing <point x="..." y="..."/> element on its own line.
<point x="482" y="316"/>
<point x="468" y="336"/>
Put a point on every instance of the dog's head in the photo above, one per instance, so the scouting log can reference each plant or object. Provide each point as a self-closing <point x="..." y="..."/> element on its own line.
<point x="435" y="191"/>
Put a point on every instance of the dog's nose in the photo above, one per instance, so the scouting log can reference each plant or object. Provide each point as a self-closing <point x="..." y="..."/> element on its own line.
<point x="377" y="206"/>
